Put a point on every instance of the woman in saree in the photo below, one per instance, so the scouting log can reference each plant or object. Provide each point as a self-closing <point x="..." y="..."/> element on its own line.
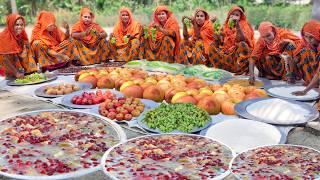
<point x="272" y="52"/>
<point x="232" y="49"/>
<point x="16" y="56"/>
<point x="162" y="40"/>
<point x="125" y="40"/>
<point x="306" y="57"/>
<point x="314" y="83"/>
<point x="195" y="47"/>
<point x="53" y="48"/>
<point x="90" y="39"/>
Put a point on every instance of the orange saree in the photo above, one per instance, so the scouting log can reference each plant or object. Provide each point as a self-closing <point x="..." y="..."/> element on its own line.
<point x="234" y="52"/>
<point x="43" y="41"/>
<point x="91" y="48"/>
<point x="16" y="49"/>
<point x="130" y="50"/>
<point x="165" y="47"/>
<point x="267" y="55"/>
<point x="307" y="58"/>
<point x="195" y="51"/>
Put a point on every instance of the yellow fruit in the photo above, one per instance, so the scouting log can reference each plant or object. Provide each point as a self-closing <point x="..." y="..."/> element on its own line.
<point x="219" y="92"/>
<point x="206" y="91"/>
<point x="192" y="92"/>
<point x="226" y="87"/>
<point x="83" y="76"/>
<point x="138" y="81"/>
<point x="163" y="81"/>
<point x="153" y="81"/>
<point x="261" y="92"/>
<point x="125" y="85"/>
<point x="177" y="96"/>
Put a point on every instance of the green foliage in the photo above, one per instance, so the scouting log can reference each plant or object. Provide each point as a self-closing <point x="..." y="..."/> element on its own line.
<point x="276" y="11"/>
<point x="292" y="16"/>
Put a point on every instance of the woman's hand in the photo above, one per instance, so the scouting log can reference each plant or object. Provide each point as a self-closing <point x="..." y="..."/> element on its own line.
<point x="65" y="26"/>
<point x="183" y="18"/>
<point x="252" y="79"/>
<point x="63" y="57"/>
<point x="19" y="75"/>
<point x="213" y="19"/>
<point x="299" y="93"/>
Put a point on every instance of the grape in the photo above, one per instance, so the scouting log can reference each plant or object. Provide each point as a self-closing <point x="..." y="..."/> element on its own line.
<point x="93" y="32"/>
<point x="231" y="24"/>
<point x="125" y="39"/>
<point x="145" y="31"/>
<point x="217" y="27"/>
<point x="113" y="40"/>
<point x="182" y="117"/>
<point x="187" y="22"/>
<point x="35" y="77"/>
<point x="153" y="34"/>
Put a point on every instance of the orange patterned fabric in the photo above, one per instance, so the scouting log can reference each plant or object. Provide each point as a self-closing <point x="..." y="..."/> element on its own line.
<point x="229" y="42"/>
<point x="95" y="55"/>
<point x="133" y="28"/>
<point x="66" y="47"/>
<point x="261" y="47"/>
<point x="235" y="61"/>
<point x="24" y="59"/>
<point x="171" y="25"/>
<point x="306" y="64"/>
<point x="50" y="39"/>
<point x="160" y="50"/>
<point x="273" y="66"/>
<point x="81" y="27"/>
<point x="192" y="53"/>
<point x="133" y="50"/>
<point x="12" y="41"/>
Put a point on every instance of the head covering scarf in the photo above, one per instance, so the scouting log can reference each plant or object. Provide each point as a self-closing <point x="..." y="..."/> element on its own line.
<point x="51" y="39"/>
<point x="312" y="27"/>
<point x="206" y="30"/>
<point x="81" y="27"/>
<point x="273" y="48"/>
<point x="11" y="45"/>
<point x="230" y="34"/>
<point x="133" y="27"/>
<point x="171" y="24"/>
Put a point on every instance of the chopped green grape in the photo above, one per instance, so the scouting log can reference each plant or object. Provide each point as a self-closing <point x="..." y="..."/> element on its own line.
<point x="183" y="117"/>
<point x="191" y="71"/>
<point x="154" y="64"/>
<point x="35" y="77"/>
<point x="134" y="63"/>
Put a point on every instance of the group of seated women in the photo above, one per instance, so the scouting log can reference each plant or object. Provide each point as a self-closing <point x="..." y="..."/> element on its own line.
<point x="278" y="54"/>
